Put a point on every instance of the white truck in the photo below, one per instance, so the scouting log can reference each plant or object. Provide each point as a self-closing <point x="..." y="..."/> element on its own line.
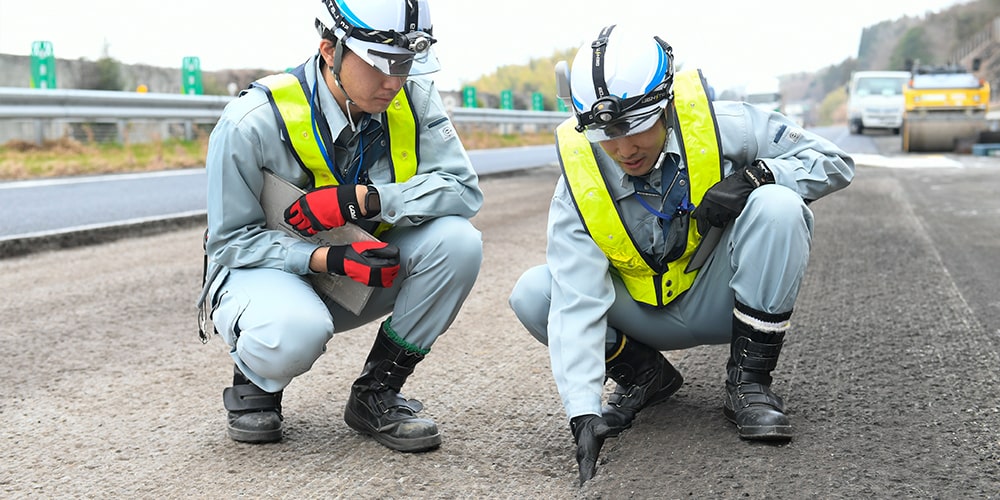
<point x="875" y="100"/>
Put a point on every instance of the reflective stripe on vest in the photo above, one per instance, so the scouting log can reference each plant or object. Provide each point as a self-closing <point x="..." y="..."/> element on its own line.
<point x="699" y="139"/>
<point x="288" y="94"/>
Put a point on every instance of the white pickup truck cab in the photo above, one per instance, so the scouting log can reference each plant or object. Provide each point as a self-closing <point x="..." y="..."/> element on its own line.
<point x="875" y="100"/>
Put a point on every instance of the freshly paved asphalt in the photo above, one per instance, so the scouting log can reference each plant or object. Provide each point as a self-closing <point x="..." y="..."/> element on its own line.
<point x="889" y="372"/>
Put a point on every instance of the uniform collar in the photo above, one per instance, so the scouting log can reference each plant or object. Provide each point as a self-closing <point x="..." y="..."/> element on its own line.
<point x="622" y="184"/>
<point x="335" y="117"/>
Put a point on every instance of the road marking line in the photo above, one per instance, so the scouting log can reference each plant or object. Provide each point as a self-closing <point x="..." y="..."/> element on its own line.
<point x="100" y="178"/>
<point x="908" y="161"/>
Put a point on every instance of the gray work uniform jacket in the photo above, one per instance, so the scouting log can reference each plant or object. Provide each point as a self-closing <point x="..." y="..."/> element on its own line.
<point x="582" y="290"/>
<point x="247" y="139"/>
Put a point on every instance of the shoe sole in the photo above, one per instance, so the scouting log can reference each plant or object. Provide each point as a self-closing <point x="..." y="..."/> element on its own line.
<point x="759" y="433"/>
<point x="425" y="443"/>
<point x="769" y="433"/>
<point x="243" y="436"/>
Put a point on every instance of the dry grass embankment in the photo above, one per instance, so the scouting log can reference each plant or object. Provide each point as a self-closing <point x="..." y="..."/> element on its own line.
<point x="21" y="160"/>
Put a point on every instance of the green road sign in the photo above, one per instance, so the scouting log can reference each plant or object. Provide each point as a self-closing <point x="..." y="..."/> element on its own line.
<point x="191" y="76"/>
<point x="469" y="97"/>
<point x="43" y="65"/>
<point x="537" y="102"/>
<point x="561" y="105"/>
<point x="506" y="99"/>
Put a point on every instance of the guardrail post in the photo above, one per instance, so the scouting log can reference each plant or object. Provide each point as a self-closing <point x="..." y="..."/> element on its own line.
<point x="39" y="132"/>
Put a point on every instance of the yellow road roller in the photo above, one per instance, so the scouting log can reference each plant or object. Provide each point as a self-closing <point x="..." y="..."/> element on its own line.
<point x="944" y="106"/>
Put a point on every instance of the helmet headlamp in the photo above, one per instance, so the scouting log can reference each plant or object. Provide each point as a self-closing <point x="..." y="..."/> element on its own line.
<point x="606" y="109"/>
<point x="417" y="41"/>
<point x="403" y="49"/>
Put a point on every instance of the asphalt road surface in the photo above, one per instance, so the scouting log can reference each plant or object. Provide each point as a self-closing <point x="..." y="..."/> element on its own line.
<point x="104" y="203"/>
<point x="889" y="373"/>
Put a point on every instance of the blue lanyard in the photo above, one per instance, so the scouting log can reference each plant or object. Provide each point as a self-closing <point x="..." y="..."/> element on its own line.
<point x="649" y="208"/>
<point x="681" y="207"/>
<point x="319" y="142"/>
<point x="359" y="156"/>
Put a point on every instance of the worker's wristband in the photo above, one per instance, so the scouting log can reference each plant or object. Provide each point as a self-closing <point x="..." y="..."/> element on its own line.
<point x="335" y="259"/>
<point x="373" y="204"/>
<point x="759" y="174"/>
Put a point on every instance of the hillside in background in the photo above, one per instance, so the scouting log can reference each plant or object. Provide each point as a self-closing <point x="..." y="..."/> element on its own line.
<point x="932" y="39"/>
<point x="954" y="35"/>
<point x="524" y="80"/>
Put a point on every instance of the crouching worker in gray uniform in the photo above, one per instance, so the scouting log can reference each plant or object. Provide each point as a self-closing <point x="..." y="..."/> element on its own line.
<point x="651" y="170"/>
<point x="368" y="141"/>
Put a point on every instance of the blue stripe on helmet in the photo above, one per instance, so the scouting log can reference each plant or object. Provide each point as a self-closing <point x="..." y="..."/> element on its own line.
<point x="661" y="69"/>
<point x="350" y="17"/>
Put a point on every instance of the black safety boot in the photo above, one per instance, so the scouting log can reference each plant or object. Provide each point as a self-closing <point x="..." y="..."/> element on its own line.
<point x="254" y="414"/>
<point x="759" y="414"/>
<point x="644" y="378"/>
<point x="378" y="409"/>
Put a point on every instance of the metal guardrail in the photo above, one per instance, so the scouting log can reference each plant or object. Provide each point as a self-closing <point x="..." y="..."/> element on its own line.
<point x="25" y="103"/>
<point x="47" y="108"/>
<point x="508" y="116"/>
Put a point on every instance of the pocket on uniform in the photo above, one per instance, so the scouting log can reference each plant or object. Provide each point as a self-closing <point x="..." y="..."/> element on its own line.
<point x="226" y="315"/>
<point x="677" y="235"/>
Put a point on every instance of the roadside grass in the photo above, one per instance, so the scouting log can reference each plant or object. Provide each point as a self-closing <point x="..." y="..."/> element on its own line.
<point x="21" y="160"/>
<point x="68" y="157"/>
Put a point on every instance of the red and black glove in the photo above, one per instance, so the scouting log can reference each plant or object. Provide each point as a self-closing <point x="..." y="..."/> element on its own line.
<point x="325" y="208"/>
<point x="371" y="263"/>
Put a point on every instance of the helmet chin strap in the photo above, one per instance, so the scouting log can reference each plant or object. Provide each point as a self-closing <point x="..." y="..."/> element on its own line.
<point x="666" y="139"/>
<point x="338" y="58"/>
<point x="659" y="160"/>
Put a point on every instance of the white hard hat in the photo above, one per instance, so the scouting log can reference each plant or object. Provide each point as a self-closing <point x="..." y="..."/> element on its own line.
<point x="620" y="83"/>
<point x="394" y="36"/>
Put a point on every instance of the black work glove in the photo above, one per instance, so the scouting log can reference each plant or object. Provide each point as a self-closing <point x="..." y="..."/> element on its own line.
<point x="589" y="432"/>
<point x="725" y="200"/>
<point x="371" y="263"/>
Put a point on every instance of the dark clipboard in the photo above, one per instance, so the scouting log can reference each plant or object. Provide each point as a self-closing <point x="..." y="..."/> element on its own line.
<point x="278" y="194"/>
<point x="705" y="248"/>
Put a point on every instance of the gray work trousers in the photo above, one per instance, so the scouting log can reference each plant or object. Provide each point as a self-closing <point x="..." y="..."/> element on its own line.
<point x="277" y="326"/>
<point x="760" y="261"/>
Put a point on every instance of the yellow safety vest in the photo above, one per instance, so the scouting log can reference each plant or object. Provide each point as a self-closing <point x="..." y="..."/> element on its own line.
<point x="702" y="153"/>
<point x="289" y="97"/>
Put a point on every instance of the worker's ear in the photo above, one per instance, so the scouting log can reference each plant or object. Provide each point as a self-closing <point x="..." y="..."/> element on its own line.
<point x="668" y="116"/>
<point x="327" y="49"/>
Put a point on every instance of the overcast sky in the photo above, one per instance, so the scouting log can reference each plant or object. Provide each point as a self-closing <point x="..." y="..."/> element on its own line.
<point x="735" y="42"/>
